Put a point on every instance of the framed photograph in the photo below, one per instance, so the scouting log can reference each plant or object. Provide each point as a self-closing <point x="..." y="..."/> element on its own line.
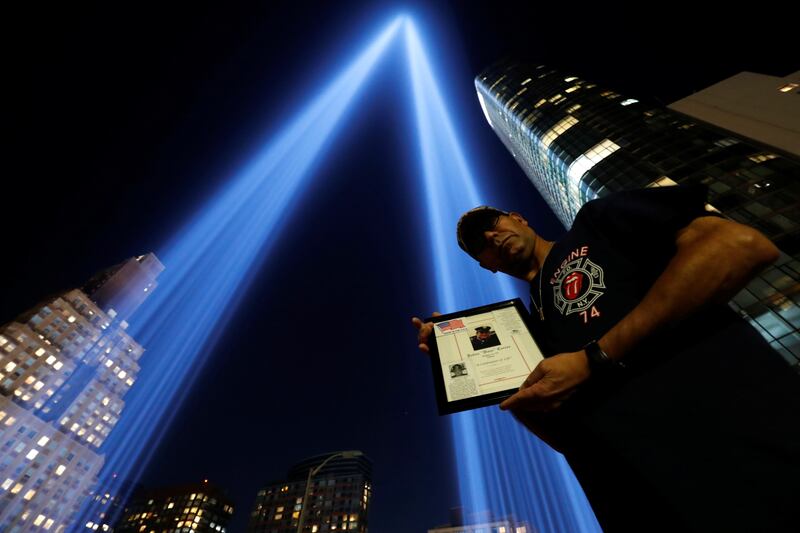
<point x="481" y="356"/>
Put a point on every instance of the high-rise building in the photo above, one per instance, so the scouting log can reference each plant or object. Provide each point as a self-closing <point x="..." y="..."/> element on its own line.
<point x="194" y="508"/>
<point x="339" y="498"/>
<point x="759" y="107"/>
<point x="65" y="366"/>
<point x="577" y="141"/>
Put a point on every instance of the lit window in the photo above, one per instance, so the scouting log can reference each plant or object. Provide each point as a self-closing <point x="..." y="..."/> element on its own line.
<point x="553" y="133"/>
<point x="573" y="88"/>
<point x="50" y="360"/>
<point x="10" y="421"/>
<point x="43" y="441"/>
<point x="40" y="351"/>
<point x="789" y="87"/>
<point x="485" y="110"/>
<point x="526" y="81"/>
<point x="585" y="162"/>
<point x="663" y="181"/>
<point x="38" y="385"/>
<point x="540" y="103"/>
<point x="58" y="365"/>
<point x="3" y="340"/>
<point x="571" y="78"/>
<point x="629" y="101"/>
<point x="30" y="494"/>
<point x="49" y="523"/>
<point x="39" y="520"/>
<point x="122" y="375"/>
<point x="32" y="454"/>
<point x="573" y="108"/>
<point x="296" y="514"/>
<point x="11" y="366"/>
<point x="17" y="488"/>
<point x="60" y="469"/>
<point x="760" y="158"/>
<point x="109" y="362"/>
<point x="7" y="483"/>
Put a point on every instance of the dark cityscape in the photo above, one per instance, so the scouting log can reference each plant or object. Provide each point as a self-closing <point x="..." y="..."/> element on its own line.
<point x="131" y="123"/>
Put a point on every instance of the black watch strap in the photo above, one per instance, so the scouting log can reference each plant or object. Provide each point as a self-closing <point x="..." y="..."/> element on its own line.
<point x="599" y="361"/>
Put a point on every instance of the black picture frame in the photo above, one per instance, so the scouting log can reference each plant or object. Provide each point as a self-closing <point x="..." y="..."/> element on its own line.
<point x="445" y="406"/>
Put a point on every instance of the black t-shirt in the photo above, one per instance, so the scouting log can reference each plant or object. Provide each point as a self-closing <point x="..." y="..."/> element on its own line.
<point x="703" y="423"/>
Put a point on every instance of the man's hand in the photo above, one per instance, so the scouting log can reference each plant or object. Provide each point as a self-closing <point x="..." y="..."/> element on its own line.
<point x="424" y="331"/>
<point x="551" y="382"/>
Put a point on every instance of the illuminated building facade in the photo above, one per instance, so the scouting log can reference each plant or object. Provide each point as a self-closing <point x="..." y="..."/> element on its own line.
<point x="577" y="142"/>
<point x="339" y="498"/>
<point x="65" y="366"/>
<point x="756" y="106"/>
<point x="481" y="523"/>
<point x="199" y="507"/>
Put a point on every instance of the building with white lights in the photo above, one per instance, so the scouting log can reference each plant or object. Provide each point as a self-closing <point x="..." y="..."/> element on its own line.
<point x="481" y="523"/>
<point x="339" y="498"/>
<point x="194" y="508"/>
<point x="65" y="366"/>
<point x="577" y="141"/>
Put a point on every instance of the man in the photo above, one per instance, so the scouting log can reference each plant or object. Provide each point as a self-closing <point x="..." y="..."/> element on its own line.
<point x="673" y="412"/>
<point x="484" y="338"/>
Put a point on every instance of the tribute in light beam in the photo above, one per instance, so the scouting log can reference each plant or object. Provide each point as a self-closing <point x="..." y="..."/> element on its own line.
<point x="501" y="467"/>
<point x="209" y="263"/>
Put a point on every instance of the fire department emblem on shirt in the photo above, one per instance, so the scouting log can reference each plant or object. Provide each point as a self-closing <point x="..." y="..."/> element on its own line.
<point x="578" y="286"/>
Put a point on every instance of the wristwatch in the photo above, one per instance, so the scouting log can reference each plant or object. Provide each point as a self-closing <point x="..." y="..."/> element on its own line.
<point x="599" y="361"/>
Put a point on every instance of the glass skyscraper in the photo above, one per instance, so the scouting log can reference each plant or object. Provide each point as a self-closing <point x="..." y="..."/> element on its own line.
<point x="65" y="366"/>
<point x="578" y="141"/>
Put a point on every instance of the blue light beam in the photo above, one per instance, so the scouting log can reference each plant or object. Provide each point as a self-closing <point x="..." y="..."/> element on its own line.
<point x="209" y="264"/>
<point x="501" y="467"/>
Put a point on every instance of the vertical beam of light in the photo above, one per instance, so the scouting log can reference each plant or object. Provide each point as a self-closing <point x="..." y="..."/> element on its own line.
<point x="501" y="467"/>
<point x="209" y="264"/>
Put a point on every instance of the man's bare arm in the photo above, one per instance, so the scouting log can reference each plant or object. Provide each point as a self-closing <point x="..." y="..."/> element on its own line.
<point x="715" y="258"/>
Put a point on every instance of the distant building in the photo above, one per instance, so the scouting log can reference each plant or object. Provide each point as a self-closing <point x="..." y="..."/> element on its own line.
<point x="195" y="508"/>
<point x="481" y="523"/>
<point x="106" y="507"/>
<point x="577" y="141"/>
<point x="65" y="366"/>
<point x="339" y="498"/>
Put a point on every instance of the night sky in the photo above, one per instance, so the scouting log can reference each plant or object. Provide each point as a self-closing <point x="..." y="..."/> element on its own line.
<point x="125" y="118"/>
